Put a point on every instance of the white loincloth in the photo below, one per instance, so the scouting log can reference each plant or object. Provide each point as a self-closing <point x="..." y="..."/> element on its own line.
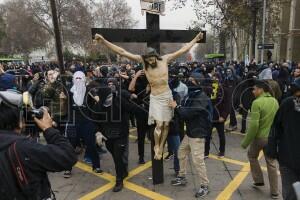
<point x="159" y="109"/>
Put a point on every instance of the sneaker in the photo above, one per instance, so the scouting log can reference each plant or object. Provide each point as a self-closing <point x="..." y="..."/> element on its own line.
<point x="206" y="156"/>
<point x="179" y="181"/>
<point x="258" y="184"/>
<point x="98" y="170"/>
<point x="67" y="174"/>
<point x="87" y="161"/>
<point x="221" y="155"/>
<point x="118" y="187"/>
<point x="203" y="191"/>
<point x="141" y="161"/>
<point x="231" y="128"/>
<point x="275" y="196"/>
<point x="169" y="156"/>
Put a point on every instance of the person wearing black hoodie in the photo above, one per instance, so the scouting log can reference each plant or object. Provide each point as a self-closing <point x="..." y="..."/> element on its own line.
<point x="34" y="160"/>
<point x="116" y="104"/>
<point x="284" y="140"/>
<point x="196" y="111"/>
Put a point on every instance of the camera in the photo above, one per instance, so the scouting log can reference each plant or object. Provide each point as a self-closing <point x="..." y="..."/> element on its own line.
<point x="38" y="113"/>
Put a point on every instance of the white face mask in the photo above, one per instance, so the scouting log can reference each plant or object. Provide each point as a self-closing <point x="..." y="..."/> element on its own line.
<point x="79" y="88"/>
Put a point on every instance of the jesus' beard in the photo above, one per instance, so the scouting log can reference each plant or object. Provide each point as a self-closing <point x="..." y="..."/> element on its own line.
<point x="152" y="66"/>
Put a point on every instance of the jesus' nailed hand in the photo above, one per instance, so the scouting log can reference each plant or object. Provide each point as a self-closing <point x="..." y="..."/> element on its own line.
<point x="156" y="71"/>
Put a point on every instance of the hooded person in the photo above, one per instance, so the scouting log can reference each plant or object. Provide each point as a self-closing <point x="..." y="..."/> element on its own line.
<point x="79" y="88"/>
<point x="283" y="142"/>
<point x="85" y="127"/>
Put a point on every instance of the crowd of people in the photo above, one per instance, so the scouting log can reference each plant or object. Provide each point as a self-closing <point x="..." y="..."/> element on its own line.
<point x="92" y="104"/>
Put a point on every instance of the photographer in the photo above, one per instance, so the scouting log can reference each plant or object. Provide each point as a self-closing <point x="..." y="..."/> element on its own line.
<point x="23" y="162"/>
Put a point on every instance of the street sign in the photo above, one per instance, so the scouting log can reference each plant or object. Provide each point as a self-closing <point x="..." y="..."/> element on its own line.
<point x="265" y="46"/>
<point x="157" y="7"/>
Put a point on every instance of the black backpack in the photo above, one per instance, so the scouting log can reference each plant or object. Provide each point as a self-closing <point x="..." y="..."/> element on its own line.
<point x="14" y="184"/>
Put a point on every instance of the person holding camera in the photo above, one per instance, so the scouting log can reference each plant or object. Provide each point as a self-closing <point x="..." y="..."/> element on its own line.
<point x="23" y="162"/>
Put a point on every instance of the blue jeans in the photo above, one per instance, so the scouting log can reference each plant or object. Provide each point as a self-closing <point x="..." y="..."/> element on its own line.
<point x="173" y="146"/>
<point x="86" y="129"/>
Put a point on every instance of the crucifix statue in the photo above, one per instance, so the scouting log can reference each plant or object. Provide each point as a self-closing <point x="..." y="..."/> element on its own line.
<point x="156" y="70"/>
<point x="153" y="36"/>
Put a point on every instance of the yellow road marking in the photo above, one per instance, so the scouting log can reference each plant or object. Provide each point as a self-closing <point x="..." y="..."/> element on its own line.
<point x="139" y="170"/>
<point x="236" y="162"/>
<point x="145" y="192"/>
<point x="228" y="160"/>
<point x="131" y="186"/>
<point x="98" y="192"/>
<point x="236" y="182"/>
<point x="88" y="169"/>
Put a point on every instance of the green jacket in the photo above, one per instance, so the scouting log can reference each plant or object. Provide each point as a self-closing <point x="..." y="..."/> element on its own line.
<point x="263" y="111"/>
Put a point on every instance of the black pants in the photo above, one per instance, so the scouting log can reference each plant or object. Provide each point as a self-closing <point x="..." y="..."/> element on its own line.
<point x="288" y="178"/>
<point x="233" y="121"/>
<point x="119" y="151"/>
<point x="244" y="119"/>
<point x="142" y="130"/>
<point x="220" y="130"/>
<point x="87" y="129"/>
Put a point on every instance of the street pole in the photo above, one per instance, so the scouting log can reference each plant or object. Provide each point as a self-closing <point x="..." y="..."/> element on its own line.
<point x="290" y="42"/>
<point x="254" y="25"/>
<point x="263" y="31"/>
<point x="57" y="37"/>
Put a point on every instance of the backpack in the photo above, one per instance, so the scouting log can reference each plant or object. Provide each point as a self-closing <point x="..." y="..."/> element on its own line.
<point x="14" y="183"/>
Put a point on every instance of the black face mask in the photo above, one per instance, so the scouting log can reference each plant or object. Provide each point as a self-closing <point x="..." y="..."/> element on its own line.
<point x="192" y="87"/>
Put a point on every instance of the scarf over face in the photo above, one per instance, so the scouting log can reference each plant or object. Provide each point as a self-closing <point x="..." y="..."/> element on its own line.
<point x="79" y="88"/>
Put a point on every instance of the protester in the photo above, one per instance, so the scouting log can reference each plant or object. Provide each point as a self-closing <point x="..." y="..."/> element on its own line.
<point x="284" y="141"/>
<point x="116" y="105"/>
<point x="31" y="160"/>
<point x="196" y="111"/>
<point x="263" y="111"/>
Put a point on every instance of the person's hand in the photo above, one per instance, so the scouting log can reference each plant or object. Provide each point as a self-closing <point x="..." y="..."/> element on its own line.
<point x="98" y="38"/>
<point x="97" y="99"/>
<point x="140" y="73"/>
<point x="45" y="122"/>
<point x="133" y="96"/>
<point x="221" y="120"/>
<point x="173" y="104"/>
<point x="199" y="36"/>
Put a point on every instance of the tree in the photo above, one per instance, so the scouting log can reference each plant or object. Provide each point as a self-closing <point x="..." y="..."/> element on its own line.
<point x="23" y="34"/>
<point x="2" y="28"/>
<point x="113" y="14"/>
<point x="75" y="20"/>
<point x="233" y="17"/>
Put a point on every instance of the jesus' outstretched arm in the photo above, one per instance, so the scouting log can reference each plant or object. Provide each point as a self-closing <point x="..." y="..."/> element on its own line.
<point x="184" y="49"/>
<point x="117" y="49"/>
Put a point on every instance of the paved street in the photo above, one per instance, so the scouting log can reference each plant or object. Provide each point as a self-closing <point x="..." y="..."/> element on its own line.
<point x="229" y="177"/>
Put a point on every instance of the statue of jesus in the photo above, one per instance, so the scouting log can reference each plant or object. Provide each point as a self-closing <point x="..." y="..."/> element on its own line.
<point x="156" y="70"/>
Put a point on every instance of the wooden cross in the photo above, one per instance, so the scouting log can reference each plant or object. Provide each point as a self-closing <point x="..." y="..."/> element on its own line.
<point x="153" y="36"/>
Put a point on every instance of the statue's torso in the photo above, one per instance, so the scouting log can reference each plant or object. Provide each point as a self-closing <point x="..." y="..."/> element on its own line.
<point x="158" y="78"/>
